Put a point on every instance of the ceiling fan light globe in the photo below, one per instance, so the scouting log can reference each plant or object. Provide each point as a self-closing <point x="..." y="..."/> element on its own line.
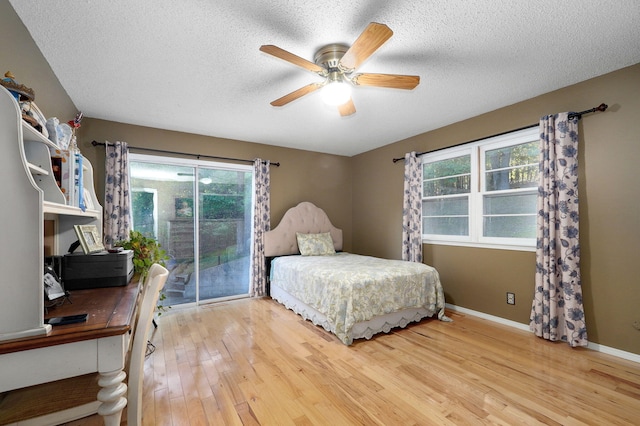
<point x="336" y="93"/>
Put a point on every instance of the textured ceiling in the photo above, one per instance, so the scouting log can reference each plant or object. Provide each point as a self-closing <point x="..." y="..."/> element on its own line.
<point x="194" y="65"/>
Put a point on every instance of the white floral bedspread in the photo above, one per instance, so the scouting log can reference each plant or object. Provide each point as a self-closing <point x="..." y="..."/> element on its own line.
<point x="349" y="288"/>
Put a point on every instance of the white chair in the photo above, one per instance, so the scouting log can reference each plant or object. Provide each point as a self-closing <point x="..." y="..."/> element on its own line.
<point x="18" y="405"/>
<point x="155" y="281"/>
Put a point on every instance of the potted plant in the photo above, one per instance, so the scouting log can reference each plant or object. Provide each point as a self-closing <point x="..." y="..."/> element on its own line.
<point x="146" y="252"/>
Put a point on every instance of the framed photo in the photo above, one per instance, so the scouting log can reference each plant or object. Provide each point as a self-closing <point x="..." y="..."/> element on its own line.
<point x="52" y="286"/>
<point x="184" y="207"/>
<point x="89" y="238"/>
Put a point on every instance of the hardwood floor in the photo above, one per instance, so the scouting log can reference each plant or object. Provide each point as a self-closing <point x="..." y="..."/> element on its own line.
<point x="253" y="362"/>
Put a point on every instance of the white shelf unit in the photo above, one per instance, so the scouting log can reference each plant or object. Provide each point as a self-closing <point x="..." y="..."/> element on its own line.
<point x="30" y="196"/>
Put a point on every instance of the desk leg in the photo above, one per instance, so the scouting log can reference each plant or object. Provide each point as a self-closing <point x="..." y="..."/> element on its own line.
<point x="112" y="396"/>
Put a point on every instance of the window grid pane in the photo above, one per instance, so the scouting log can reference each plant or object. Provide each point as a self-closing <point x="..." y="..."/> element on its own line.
<point x="511" y="178"/>
<point x="512" y="156"/>
<point x="446" y="206"/>
<point x="458" y="226"/>
<point x="449" y="167"/>
<point x="447" y="186"/>
<point x="515" y="226"/>
<point x="510" y="203"/>
<point x="512" y="167"/>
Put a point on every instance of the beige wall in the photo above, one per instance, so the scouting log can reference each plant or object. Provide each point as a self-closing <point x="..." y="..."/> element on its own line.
<point x="323" y="179"/>
<point x="370" y="214"/>
<point x="609" y="191"/>
<point x="20" y="55"/>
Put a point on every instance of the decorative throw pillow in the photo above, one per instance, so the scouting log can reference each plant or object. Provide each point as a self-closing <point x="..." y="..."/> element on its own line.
<point x="315" y="244"/>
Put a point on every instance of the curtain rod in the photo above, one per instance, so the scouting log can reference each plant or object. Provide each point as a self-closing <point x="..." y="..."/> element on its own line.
<point x="96" y="143"/>
<point x="602" y="107"/>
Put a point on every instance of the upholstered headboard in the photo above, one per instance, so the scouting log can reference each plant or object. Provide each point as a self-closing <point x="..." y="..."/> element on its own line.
<point x="305" y="218"/>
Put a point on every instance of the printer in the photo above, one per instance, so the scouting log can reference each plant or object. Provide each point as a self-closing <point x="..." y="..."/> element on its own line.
<point x="102" y="269"/>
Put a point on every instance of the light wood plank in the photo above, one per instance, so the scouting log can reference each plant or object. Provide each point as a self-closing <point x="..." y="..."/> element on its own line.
<point x="253" y="362"/>
<point x="162" y="409"/>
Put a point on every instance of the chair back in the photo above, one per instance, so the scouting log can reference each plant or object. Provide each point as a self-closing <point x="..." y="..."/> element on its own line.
<point x="156" y="278"/>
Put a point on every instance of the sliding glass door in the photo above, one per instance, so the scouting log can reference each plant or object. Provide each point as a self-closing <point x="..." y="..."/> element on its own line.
<point x="201" y="213"/>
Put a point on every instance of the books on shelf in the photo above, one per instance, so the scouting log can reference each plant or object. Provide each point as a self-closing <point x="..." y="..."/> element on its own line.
<point x="78" y="195"/>
<point x="68" y="165"/>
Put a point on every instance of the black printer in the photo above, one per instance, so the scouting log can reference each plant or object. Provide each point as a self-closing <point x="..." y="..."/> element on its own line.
<point x="102" y="269"/>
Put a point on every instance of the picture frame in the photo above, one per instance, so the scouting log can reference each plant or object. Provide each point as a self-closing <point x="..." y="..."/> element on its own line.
<point x="184" y="207"/>
<point x="52" y="284"/>
<point x="89" y="238"/>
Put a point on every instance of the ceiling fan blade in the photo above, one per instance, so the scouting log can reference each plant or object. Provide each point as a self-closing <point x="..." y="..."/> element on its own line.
<point x="392" y="81"/>
<point x="294" y="59"/>
<point x="347" y="108"/>
<point x="374" y="36"/>
<point x="305" y="90"/>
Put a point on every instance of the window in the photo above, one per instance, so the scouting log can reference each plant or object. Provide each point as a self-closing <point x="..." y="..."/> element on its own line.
<point x="483" y="193"/>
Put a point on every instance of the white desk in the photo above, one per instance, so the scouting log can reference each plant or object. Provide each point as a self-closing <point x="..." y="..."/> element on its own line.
<point x="98" y="345"/>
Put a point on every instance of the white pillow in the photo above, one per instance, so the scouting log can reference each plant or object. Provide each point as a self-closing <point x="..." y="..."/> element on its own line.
<point x="315" y="244"/>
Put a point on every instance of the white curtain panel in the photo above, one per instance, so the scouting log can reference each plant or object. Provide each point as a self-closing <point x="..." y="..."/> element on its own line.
<point x="557" y="312"/>
<point x="261" y="224"/>
<point x="412" y="209"/>
<point x="117" y="222"/>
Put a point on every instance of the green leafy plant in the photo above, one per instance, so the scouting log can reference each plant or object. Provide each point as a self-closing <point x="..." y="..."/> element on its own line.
<point x="146" y="252"/>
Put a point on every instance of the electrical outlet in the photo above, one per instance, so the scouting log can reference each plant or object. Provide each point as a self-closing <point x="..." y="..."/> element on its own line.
<point x="511" y="298"/>
<point x="636" y="325"/>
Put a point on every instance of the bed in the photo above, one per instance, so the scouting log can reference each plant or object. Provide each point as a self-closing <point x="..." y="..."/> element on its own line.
<point x="349" y="295"/>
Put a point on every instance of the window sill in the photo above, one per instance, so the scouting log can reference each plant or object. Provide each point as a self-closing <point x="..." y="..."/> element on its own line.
<point x="480" y="245"/>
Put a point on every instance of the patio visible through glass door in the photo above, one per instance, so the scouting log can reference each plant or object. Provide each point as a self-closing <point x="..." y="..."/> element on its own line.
<point x="201" y="213"/>
<point x="224" y="230"/>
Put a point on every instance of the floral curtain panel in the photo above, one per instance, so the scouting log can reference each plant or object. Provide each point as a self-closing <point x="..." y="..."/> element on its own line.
<point x="261" y="224"/>
<point x="557" y="311"/>
<point x="412" y="209"/>
<point x="117" y="203"/>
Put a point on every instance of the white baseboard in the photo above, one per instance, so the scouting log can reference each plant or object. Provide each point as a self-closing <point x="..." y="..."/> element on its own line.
<point x="594" y="346"/>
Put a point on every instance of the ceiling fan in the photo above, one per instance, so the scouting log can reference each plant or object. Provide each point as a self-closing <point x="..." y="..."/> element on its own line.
<point x="337" y="64"/>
